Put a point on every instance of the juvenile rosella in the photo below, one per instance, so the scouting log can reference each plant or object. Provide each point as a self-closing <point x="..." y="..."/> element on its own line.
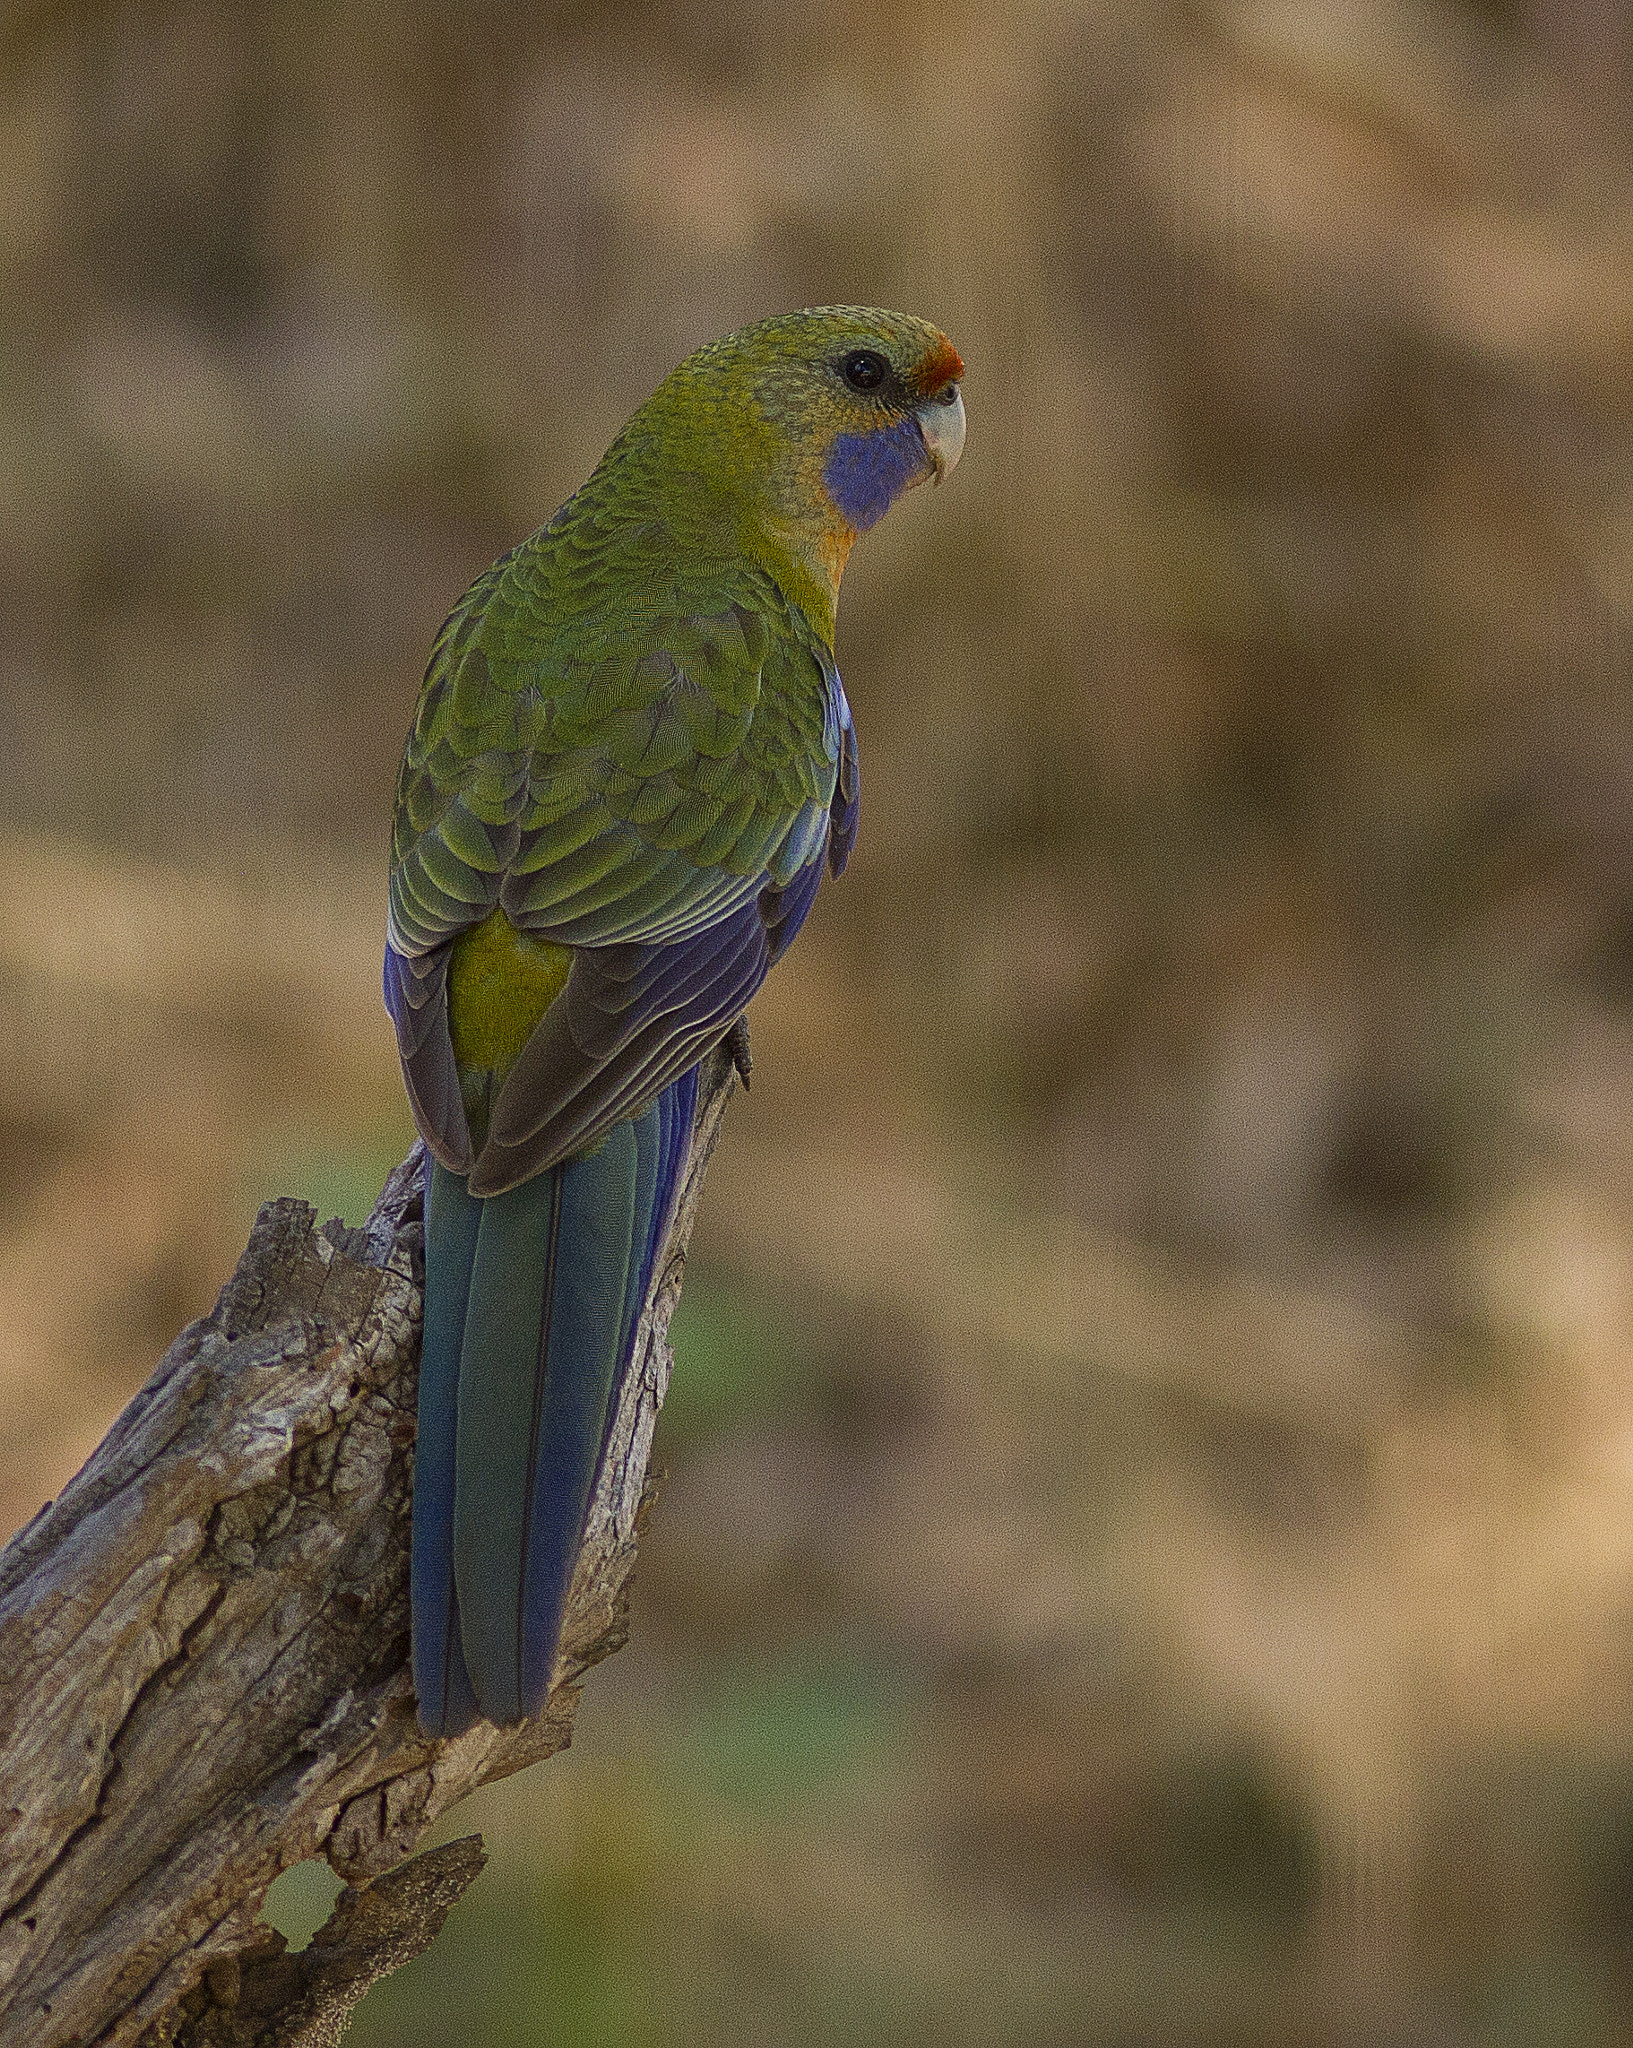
<point x="631" y="762"/>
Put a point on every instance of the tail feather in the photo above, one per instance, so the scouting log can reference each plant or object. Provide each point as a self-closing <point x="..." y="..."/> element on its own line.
<point x="441" y="1681"/>
<point x="533" y="1298"/>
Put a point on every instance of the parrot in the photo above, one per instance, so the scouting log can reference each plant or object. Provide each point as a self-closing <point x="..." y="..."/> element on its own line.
<point x="631" y="762"/>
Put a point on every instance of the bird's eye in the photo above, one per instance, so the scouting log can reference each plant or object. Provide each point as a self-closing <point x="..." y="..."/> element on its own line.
<point x="864" y="369"/>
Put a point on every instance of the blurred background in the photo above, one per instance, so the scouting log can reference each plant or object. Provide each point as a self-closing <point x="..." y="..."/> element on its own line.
<point x="1147" y="1551"/>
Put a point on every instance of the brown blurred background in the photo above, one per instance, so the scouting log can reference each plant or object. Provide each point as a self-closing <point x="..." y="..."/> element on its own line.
<point x="1147" y="1556"/>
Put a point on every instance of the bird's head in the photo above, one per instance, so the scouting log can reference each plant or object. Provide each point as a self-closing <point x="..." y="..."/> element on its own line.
<point x="806" y="427"/>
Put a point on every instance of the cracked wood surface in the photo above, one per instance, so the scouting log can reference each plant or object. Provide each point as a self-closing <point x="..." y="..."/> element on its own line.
<point x="204" y="1649"/>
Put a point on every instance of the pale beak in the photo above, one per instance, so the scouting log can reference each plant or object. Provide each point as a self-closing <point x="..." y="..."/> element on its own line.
<point x="941" y="422"/>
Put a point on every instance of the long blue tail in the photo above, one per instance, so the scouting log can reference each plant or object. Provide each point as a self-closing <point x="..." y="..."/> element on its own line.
<point x="531" y="1304"/>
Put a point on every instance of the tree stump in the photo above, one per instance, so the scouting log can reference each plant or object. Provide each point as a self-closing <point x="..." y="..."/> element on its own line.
<point x="204" y="1649"/>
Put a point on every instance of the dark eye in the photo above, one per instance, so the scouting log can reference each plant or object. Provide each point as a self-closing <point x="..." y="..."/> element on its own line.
<point x="864" y="369"/>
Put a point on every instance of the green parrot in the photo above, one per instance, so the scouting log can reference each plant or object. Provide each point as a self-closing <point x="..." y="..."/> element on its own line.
<point x="631" y="761"/>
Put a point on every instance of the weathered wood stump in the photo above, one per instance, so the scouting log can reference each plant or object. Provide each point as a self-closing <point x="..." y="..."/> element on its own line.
<point x="204" y="1655"/>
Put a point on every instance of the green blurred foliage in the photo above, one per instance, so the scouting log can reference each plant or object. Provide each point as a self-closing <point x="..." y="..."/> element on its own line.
<point x="735" y="1359"/>
<point x="305" y="1163"/>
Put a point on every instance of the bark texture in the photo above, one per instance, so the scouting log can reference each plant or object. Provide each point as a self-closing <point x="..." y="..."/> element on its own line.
<point x="204" y="1649"/>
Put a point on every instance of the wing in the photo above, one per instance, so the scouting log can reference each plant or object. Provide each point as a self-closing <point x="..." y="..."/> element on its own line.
<point x="653" y="784"/>
<point x="631" y="1019"/>
<point x="454" y="830"/>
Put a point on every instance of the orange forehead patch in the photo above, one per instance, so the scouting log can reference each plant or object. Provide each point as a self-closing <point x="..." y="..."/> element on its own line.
<point x="943" y="365"/>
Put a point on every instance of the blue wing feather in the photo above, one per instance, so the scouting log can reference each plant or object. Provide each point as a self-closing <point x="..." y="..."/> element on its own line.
<point x="631" y="1020"/>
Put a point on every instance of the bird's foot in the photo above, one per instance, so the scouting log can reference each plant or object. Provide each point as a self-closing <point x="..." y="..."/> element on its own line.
<point x="736" y="1043"/>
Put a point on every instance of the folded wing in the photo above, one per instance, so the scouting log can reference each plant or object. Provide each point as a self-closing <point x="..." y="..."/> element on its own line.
<point x="657" y="792"/>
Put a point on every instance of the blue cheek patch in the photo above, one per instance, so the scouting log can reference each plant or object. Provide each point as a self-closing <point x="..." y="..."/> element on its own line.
<point x="866" y="473"/>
